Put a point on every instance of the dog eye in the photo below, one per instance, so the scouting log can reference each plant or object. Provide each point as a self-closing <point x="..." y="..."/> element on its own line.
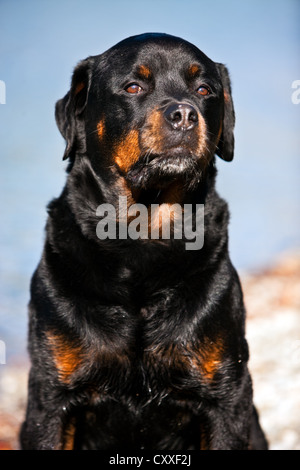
<point x="203" y="90"/>
<point x="133" y="88"/>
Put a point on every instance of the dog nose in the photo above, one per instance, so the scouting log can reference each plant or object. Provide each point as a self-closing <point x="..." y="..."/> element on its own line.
<point x="181" y="116"/>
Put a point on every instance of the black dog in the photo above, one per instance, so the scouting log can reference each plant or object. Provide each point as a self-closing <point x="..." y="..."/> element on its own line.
<point x="139" y="342"/>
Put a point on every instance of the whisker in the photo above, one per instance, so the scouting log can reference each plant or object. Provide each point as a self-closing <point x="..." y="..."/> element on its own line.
<point x="92" y="132"/>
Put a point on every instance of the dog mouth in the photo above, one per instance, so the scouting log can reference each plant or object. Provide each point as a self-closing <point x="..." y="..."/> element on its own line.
<point x="154" y="170"/>
<point x="169" y="155"/>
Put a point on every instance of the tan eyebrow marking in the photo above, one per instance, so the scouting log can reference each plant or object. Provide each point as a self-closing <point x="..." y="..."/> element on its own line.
<point x="193" y="70"/>
<point x="144" y="71"/>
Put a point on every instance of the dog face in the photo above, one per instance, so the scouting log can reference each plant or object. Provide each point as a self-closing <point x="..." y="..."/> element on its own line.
<point x="153" y="107"/>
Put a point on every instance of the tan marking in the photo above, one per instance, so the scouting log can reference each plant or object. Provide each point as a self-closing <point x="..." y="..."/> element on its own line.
<point x="226" y="97"/>
<point x="69" y="436"/>
<point x="202" y="149"/>
<point x="152" y="138"/>
<point x="67" y="356"/>
<point x="101" y="129"/>
<point x="80" y="86"/>
<point x="128" y="151"/>
<point x="193" y="70"/>
<point x="169" y="211"/>
<point x="125" y="190"/>
<point x="163" y="220"/>
<point x="205" y="360"/>
<point x="144" y="72"/>
<point x="209" y="358"/>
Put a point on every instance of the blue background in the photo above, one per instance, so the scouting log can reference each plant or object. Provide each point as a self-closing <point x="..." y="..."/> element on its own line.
<point x="41" y="42"/>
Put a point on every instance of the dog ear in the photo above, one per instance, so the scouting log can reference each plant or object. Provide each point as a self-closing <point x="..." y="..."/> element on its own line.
<point x="225" y="148"/>
<point x="68" y="110"/>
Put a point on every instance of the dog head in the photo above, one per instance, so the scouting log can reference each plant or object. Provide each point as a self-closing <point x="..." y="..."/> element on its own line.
<point x="154" y="107"/>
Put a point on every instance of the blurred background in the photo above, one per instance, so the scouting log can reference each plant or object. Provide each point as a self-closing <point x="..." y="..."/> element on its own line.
<point x="41" y="41"/>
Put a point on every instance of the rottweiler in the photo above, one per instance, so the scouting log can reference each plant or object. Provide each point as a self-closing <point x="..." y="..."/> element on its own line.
<point x="138" y="341"/>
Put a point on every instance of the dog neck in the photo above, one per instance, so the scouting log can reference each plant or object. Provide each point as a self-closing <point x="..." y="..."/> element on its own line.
<point x="86" y="190"/>
<point x="174" y="192"/>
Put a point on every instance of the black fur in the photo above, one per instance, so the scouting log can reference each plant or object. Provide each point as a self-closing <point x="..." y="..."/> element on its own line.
<point x="140" y="344"/>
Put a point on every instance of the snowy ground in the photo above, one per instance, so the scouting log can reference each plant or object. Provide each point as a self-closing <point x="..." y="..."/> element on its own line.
<point x="273" y="303"/>
<point x="272" y="299"/>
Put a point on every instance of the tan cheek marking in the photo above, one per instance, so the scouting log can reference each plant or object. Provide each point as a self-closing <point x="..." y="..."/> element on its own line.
<point x="152" y="138"/>
<point x="128" y="151"/>
<point x="202" y="136"/>
<point x="66" y="356"/>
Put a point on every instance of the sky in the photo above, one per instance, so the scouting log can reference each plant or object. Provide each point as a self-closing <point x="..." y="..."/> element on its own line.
<point x="42" y="41"/>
